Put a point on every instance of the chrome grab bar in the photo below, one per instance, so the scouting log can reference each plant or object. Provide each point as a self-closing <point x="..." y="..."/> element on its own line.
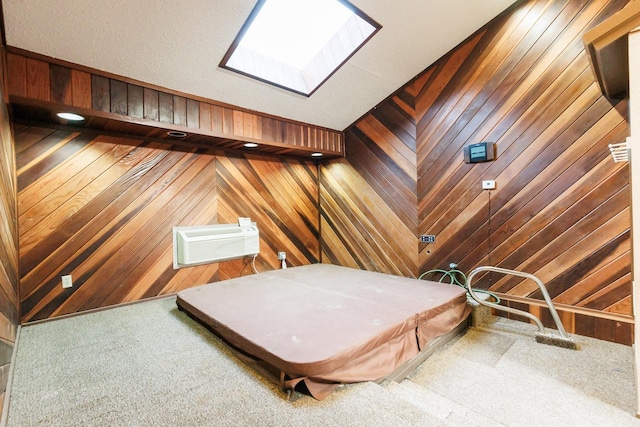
<point x="543" y="289"/>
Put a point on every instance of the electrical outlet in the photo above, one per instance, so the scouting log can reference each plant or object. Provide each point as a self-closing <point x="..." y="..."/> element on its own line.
<point x="282" y="255"/>
<point x="489" y="185"/>
<point x="66" y="281"/>
<point x="428" y="238"/>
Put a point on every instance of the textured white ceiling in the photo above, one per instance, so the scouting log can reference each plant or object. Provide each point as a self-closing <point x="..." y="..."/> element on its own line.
<point x="179" y="44"/>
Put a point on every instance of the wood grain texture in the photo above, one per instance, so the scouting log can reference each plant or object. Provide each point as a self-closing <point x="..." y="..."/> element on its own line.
<point x="101" y="208"/>
<point x="9" y="254"/>
<point x="100" y="93"/>
<point x="561" y="207"/>
<point x="281" y="197"/>
<point x="80" y="89"/>
<point x="61" y="88"/>
<point x="118" y="94"/>
<point x="368" y="202"/>
<point x="36" y="82"/>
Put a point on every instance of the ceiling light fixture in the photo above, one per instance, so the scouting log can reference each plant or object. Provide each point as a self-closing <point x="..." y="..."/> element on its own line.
<point x="176" y="134"/>
<point x="70" y="116"/>
<point x="250" y="145"/>
<point x="316" y="155"/>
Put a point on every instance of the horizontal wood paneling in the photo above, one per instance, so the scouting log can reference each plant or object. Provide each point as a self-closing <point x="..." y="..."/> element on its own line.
<point x="40" y="82"/>
<point x="102" y="208"/>
<point x="561" y="206"/>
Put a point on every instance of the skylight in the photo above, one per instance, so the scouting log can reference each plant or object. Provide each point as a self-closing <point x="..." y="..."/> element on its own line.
<point x="297" y="44"/>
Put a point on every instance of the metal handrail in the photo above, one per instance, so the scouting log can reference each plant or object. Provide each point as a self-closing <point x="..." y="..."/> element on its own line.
<point x="543" y="289"/>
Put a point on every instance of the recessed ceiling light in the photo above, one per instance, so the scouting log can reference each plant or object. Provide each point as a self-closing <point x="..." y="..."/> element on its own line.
<point x="250" y="145"/>
<point x="70" y="116"/>
<point x="176" y="134"/>
<point x="316" y="155"/>
<point x="297" y="45"/>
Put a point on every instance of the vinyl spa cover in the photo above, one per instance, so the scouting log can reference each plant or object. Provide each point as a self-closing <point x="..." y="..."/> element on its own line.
<point x="324" y="324"/>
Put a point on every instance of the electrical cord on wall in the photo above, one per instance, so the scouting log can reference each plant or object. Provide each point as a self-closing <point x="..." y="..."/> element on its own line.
<point x="282" y="256"/>
<point x="489" y="235"/>
<point x="454" y="275"/>
<point x="283" y="263"/>
<point x="253" y="264"/>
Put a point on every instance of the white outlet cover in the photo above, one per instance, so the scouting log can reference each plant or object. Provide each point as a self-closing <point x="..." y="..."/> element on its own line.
<point x="67" y="282"/>
<point x="488" y="185"/>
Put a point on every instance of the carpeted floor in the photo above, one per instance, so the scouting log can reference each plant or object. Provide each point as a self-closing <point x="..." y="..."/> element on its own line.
<point x="148" y="364"/>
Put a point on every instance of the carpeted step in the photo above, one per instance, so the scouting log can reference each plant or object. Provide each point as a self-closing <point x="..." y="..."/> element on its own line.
<point x="436" y="405"/>
<point x="382" y="397"/>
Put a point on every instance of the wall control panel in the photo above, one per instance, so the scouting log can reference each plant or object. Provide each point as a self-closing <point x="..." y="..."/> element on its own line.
<point x="480" y="152"/>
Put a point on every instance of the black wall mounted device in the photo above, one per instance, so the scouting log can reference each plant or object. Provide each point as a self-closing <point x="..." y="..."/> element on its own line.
<point x="480" y="152"/>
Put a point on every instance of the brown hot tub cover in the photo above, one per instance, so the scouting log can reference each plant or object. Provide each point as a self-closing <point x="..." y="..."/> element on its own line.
<point x="324" y="324"/>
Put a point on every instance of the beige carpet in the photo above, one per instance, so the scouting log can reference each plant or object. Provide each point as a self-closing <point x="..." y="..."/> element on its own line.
<point x="148" y="364"/>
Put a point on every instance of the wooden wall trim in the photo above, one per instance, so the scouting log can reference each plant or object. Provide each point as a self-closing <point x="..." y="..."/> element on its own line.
<point x="615" y="329"/>
<point x="84" y="69"/>
<point x="607" y="49"/>
<point x="568" y="308"/>
<point x="47" y="84"/>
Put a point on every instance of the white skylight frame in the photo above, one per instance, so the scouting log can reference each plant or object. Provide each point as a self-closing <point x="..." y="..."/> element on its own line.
<point x="349" y="32"/>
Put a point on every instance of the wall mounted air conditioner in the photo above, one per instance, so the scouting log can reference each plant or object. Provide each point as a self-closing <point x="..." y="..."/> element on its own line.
<point x="203" y="244"/>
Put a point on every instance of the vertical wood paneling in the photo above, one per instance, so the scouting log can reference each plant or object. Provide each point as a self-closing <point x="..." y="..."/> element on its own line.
<point x="179" y="110"/>
<point x="80" y="89"/>
<point x="61" y="89"/>
<point x="193" y="113"/>
<point x="118" y="92"/>
<point x="100" y="97"/>
<point x="135" y="103"/>
<point x="47" y="80"/>
<point x="205" y="116"/>
<point x="38" y="80"/>
<point x="151" y="104"/>
<point x="17" y="69"/>
<point x="166" y="107"/>
<point x="561" y="206"/>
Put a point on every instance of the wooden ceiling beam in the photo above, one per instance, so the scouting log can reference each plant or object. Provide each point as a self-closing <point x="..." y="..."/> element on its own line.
<point x="607" y="48"/>
<point x="38" y="87"/>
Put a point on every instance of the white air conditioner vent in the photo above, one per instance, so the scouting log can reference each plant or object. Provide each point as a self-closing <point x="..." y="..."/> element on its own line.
<point x="195" y="245"/>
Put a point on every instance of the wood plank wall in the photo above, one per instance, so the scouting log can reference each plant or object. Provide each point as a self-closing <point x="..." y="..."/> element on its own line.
<point x="9" y="276"/>
<point x="49" y="83"/>
<point x="281" y="196"/>
<point x="561" y="207"/>
<point x="101" y="208"/>
<point x="368" y="201"/>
